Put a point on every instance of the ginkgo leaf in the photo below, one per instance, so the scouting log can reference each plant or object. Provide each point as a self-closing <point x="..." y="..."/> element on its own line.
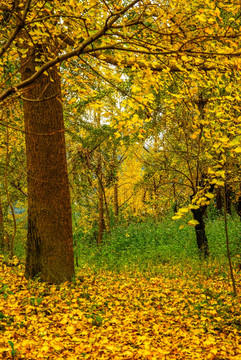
<point x="176" y="217"/>
<point x="193" y="222"/>
<point x="237" y="149"/>
<point x="70" y="329"/>
<point x="209" y="195"/>
<point x="183" y="210"/>
<point x="57" y="347"/>
<point x="217" y="182"/>
<point x="193" y="206"/>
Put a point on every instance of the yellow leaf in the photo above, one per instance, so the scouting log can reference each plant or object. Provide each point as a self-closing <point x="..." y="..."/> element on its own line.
<point x="70" y="329"/>
<point x="218" y="182"/>
<point x="117" y="135"/>
<point x="224" y="139"/>
<point x="45" y="348"/>
<point x="209" y="195"/>
<point x="57" y="347"/>
<point x="76" y="339"/>
<point x="212" y="354"/>
<point x="176" y="217"/>
<point x="136" y="88"/>
<point x="195" y="207"/>
<point x="237" y="149"/>
<point x="193" y="222"/>
<point x="220" y="173"/>
<point x="210" y="340"/>
<point x="183" y="210"/>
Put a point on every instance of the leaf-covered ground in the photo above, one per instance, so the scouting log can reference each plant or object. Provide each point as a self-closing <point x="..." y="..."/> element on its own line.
<point x="120" y="316"/>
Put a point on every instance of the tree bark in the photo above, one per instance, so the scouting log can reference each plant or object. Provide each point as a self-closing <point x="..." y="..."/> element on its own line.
<point x="198" y="214"/>
<point x="219" y="199"/>
<point x="239" y="206"/>
<point x="2" y="245"/>
<point x="116" y="202"/>
<point x="202" y="241"/>
<point x="228" y="200"/>
<point x="99" y="174"/>
<point x="49" y="239"/>
<point x="101" y="221"/>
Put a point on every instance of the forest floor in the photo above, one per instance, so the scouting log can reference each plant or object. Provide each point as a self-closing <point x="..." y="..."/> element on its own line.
<point x="120" y="316"/>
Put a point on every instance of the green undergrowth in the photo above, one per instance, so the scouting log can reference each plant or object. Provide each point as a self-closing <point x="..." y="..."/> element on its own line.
<point x="167" y="247"/>
<point x="161" y="247"/>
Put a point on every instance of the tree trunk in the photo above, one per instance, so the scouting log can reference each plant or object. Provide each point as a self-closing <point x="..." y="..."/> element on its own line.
<point x="2" y="245"/>
<point x="50" y="239"/>
<point x="202" y="241"/>
<point x="99" y="174"/>
<point x="239" y="206"/>
<point x="219" y="200"/>
<point x="101" y="221"/>
<point x="116" y="202"/>
<point x="228" y="200"/>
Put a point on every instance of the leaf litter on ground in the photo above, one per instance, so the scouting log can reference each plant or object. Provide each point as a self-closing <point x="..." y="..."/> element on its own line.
<point x="119" y="316"/>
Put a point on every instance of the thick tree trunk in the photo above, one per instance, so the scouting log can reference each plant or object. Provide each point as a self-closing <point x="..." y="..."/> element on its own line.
<point x="49" y="240"/>
<point x="239" y="206"/>
<point x="202" y="241"/>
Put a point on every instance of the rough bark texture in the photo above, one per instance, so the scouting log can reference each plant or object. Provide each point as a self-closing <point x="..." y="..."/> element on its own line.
<point x="202" y="241"/>
<point x="50" y="240"/>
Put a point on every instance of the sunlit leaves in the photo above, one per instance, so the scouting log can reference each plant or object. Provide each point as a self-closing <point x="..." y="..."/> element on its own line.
<point x="120" y="316"/>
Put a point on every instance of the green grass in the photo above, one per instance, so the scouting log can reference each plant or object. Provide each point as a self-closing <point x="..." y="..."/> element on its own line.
<point x="159" y="248"/>
<point x="154" y="247"/>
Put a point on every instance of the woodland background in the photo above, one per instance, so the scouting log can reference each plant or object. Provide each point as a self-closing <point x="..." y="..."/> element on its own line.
<point x="120" y="152"/>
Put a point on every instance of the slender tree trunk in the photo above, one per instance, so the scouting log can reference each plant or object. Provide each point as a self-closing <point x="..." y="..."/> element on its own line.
<point x="12" y="237"/>
<point x="106" y="208"/>
<point x="228" y="201"/>
<point x="116" y="201"/>
<point x="101" y="222"/>
<point x="2" y="245"/>
<point x="115" y="184"/>
<point x="175" y="206"/>
<point x="49" y="240"/>
<point x="202" y="241"/>
<point x="227" y="242"/>
<point x="219" y="199"/>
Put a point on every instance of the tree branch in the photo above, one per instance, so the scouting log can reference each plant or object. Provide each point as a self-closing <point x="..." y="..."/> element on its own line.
<point x="77" y="52"/>
<point x="18" y="28"/>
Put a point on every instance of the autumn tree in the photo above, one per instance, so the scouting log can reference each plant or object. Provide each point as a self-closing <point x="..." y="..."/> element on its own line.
<point x="50" y="249"/>
<point x="145" y="36"/>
